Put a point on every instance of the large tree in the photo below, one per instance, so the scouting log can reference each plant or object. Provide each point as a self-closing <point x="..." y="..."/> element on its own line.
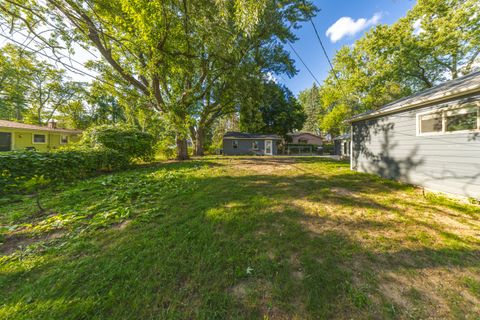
<point x="32" y="90"/>
<point x="50" y="89"/>
<point x="17" y="68"/>
<point x="310" y="101"/>
<point x="185" y="56"/>
<point x="275" y="110"/>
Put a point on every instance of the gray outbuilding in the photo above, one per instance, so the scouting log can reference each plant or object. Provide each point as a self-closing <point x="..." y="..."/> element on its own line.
<point x="239" y="143"/>
<point x="342" y="145"/>
<point x="430" y="139"/>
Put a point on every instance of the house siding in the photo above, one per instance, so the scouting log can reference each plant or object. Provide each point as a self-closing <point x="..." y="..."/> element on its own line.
<point x="390" y="147"/>
<point x="22" y="139"/>
<point x="311" y="139"/>
<point x="245" y="147"/>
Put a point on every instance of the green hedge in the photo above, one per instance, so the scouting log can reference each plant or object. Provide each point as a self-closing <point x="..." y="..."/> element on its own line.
<point x="129" y="141"/>
<point x="19" y="167"/>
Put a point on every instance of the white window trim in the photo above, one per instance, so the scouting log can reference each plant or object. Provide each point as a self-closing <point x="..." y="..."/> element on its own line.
<point x="444" y="110"/>
<point x="255" y="148"/>
<point x="64" y="135"/>
<point x="43" y="134"/>
<point x="234" y="142"/>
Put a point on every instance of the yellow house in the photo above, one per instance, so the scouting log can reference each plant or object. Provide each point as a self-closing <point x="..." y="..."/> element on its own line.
<point x="21" y="136"/>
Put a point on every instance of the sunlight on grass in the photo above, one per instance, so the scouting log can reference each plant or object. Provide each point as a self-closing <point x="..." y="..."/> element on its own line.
<point x="239" y="238"/>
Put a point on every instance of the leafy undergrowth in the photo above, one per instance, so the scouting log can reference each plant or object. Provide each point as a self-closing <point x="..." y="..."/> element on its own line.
<point x="275" y="238"/>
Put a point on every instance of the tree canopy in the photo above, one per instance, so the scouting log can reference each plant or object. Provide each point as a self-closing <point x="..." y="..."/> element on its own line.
<point x="436" y="41"/>
<point x="32" y="90"/>
<point x="274" y="110"/>
<point x="189" y="59"/>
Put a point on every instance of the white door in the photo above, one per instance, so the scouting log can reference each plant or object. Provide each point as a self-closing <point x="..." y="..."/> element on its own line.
<point x="268" y="147"/>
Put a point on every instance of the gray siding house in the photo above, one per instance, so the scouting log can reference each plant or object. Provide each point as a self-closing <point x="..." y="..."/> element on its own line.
<point x="431" y="139"/>
<point x="239" y="143"/>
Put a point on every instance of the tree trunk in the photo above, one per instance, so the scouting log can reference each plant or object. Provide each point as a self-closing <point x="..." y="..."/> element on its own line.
<point x="199" y="140"/>
<point x="182" y="148"/>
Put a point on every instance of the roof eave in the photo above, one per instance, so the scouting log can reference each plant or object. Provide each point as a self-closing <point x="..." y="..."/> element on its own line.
<point x="251" y="138"/>
<point x="412" y="106"/>
<point x="43" y="130"/>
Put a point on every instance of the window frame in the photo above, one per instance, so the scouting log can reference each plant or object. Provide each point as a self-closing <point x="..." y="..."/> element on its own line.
<point x="39" y="134"/>
<point x="443" y="110"/>
<point x="255" y="146"/>
<point x="64" y="136"/>
<point x="235" y="144"/>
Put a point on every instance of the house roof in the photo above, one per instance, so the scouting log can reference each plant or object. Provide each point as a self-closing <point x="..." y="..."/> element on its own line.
<point x="294" y="134"/>
<point x="344" y="136"/>
<point x="24" y="126"/>
<point x="243" y="135"/>
<point x="450" y="89"/>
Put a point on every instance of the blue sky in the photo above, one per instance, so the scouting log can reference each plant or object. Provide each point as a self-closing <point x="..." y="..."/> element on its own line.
<point x="343" y="16"/>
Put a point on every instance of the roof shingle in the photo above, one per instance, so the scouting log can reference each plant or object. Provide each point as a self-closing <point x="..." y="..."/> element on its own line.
<point x="243" y="135"/>
<point x="24" y="126"/>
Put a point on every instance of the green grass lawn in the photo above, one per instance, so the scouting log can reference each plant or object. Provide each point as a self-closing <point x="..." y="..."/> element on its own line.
<point x="239" y="238"/>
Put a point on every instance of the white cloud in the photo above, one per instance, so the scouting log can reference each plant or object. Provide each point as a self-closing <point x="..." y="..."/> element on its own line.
<point x="346" y="26"/>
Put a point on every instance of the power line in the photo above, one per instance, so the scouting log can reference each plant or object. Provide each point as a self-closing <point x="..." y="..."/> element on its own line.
<point x="326" y="56"/>
<point x="32" y="39"/>
<point x="304" y="64"/>
<point x="69" y="67"/>
<point x="323" y="48"/>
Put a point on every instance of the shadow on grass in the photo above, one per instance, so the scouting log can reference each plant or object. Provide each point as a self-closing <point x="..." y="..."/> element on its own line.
<point x="230" y="248"/>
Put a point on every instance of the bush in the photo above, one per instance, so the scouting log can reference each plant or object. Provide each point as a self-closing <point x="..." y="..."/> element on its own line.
<point x="167" y="148"/>
<point x="129" y="141"/>
<point x="19" y="167"/>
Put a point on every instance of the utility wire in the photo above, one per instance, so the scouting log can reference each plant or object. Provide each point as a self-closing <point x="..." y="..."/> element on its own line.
<point x="323" y="48"/>
<point x="326" y="56"/>
<point x="69" y="67"/>
<point x="304" y="64"/>
<point x="32" y="39"/>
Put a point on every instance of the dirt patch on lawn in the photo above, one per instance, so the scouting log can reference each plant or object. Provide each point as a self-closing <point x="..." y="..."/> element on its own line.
<point x="258" y="294"/>
<point x="264" y="165"/>
<point x="427" y="293"/>
<point x="19" y="241"/>
<point x="122" y="225"/>
<point x="239" y="290"/>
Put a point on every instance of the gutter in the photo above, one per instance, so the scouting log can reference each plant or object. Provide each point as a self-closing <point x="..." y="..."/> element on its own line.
<point x="413" y="105"/>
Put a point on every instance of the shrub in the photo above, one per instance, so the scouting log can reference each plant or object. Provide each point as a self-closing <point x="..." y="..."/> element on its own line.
<point x="167" y="147"/>
<point x="127" y="140"/>
<point x="19" y="167"/>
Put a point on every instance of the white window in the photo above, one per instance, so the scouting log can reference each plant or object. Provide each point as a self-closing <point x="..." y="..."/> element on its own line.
<point x="461" y="119"/>
<point x="235" y="144"/>
<point x="39" y="138"/>
<point x="431" y="123"/>
<point x="464" y="118"/>
<point x="63" y="139"/>
<point x="255" y="145"/>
